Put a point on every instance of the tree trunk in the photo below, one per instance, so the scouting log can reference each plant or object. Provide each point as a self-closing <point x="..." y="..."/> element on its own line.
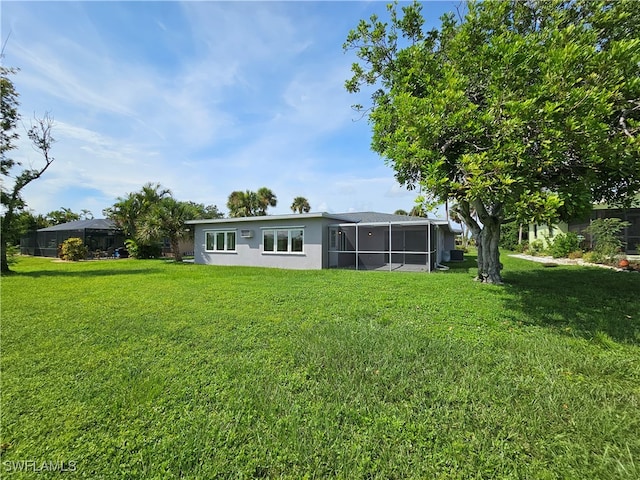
<point x="489" y="260"/>
<point x="175" y="246"/>
<point x="4" y="268"/>
<point x="7" y="226"/>
<point x="489" y="263"/>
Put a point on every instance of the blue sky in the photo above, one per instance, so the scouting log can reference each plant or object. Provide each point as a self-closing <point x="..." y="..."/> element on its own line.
<point x="202" y="97"/>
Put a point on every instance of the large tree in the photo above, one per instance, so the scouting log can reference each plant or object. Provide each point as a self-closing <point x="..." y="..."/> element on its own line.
<point x="166" y="218"/>
<point x="525" y="110"/>
<point x="16" y="179"/>
<point x="128" y="210"/>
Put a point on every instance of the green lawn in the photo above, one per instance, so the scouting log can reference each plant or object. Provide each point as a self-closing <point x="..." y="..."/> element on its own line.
<point x="153" y="370"/>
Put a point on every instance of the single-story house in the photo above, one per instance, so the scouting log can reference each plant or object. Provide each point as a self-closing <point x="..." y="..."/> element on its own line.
<point x="361" y="241"/>
<point x="630" y="235"/>
<point x="98" y="234"/>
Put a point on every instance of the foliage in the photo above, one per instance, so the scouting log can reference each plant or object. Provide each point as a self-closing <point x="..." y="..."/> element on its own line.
<point x="605" y="233"/>
<point x="593" y="257"/>
<point x="12" y="254"/>
<point x="167" y="371"/>
<point x="400" y="211"/>
<point x="143" y="251"/>
<point x="166" y="219"/>
<point x="537" y="141"/>
<point x="563" y="244"/>
<point x="14" y="182"/>
<point x="202" y="211"/>
<point x="73" y="249"/>
<point x="251" y="204"/>
<point x="64" y="215"/>
<point x="300" y="205"/>
<point x="536" y="247"/>
<point x="128" y="210"/>
<point x="152" y="214"/>
<point x="509" y="235"/>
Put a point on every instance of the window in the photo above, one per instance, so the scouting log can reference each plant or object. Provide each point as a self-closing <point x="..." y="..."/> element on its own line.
<point x="220" y="241"/>
<point x="283" y="240"/>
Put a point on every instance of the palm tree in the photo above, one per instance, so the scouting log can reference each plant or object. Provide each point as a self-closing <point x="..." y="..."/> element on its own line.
<point x="266" y="199"/>
<point x="166" y="219"/>
<point x="127" y="211"/>
<point x="300" y="205"/>
<point x="250" y="203"/>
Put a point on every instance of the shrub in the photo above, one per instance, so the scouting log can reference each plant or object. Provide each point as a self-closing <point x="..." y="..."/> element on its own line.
<point x="605" y="233"/>
<point x="521" y="247"/>
<point x="563" y="244"/>
<point x="575" y="254"/>
<point x="73" y="249"/>
<point x="142" y="251"/>
<point x="509" y="235"/>
<point x="536" y="247"/>
<point x="593" y="257"/>
<point x="12" y="254"/>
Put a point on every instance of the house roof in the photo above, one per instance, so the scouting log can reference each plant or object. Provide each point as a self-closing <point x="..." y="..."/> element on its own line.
<point x="292" y="216"/>
<point x="93" y="224"/>
<point x="352" y="217"/>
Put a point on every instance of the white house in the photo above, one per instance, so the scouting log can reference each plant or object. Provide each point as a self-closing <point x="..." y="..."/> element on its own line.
<point x="362" y="241"/>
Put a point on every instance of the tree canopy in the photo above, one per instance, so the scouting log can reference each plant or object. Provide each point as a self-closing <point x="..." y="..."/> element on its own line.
<point x="526" y="110"/>
<point x="148" y="216"/>
<point x="250" y="203"/>
<point x="300" y="205"/>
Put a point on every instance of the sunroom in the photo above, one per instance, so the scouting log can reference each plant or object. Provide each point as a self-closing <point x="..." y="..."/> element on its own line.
<point x="417" y="245"/>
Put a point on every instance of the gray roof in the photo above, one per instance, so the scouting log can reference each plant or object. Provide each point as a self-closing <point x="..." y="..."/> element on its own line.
<point x="377" y="217"/>
<point x="94" y="224"/>
<point x="353" y="217"/>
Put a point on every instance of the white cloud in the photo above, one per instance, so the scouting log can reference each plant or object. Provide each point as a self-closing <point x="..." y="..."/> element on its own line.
<point x="232" y="96"/>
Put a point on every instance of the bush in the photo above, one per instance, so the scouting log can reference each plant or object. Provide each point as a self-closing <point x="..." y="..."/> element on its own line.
<point x="521" y="247"/>
<point x="12" y="254"/>
<point x="576" y="254"/>
<point x="605" y="233"/>
<point x="509" y="235"/>
<point x="73" y="249"/>
<point x="563" y="244"/>
<point x="536" y="247"/>
<point x="142" y="251"/>
<point x="593" y="257"/>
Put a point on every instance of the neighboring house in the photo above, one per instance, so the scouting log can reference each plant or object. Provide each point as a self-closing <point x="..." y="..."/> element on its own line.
<point x="630" y="235"/>
<point x="99" y="235"/>
<point x="362" y="241"/>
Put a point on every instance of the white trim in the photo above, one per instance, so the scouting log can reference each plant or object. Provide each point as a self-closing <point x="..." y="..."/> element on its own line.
<point x="285" y="227"/>
<point x="225" y="231"/>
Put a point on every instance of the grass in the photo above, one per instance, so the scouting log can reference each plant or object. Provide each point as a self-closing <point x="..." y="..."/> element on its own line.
<point x="154" y="370"/>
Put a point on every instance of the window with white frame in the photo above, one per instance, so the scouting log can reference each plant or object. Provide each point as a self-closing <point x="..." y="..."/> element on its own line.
<point x="220" y="240"/>
<point x="283" y="240"/>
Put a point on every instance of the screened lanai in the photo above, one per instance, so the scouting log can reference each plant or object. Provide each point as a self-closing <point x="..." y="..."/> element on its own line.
<point x="101" y="236"/>
<point x="416" y="245"/>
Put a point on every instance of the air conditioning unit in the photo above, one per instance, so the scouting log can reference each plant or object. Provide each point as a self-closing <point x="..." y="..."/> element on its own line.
<point x="246" y="233"/>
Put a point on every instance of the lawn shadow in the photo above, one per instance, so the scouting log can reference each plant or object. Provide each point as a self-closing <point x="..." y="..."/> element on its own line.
<point x="93" y="272"/>
<point x="469" y="264"/>
<point x="577" y="300"/>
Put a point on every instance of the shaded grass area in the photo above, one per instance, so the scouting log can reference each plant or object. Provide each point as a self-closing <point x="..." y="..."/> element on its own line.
<point x="147" y="369"/>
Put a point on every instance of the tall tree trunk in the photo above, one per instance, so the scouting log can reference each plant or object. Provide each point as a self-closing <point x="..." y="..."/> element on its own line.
<point x="175" y="246"/>
<point x="4" y="267"/>
<point x="489" y="265"/>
